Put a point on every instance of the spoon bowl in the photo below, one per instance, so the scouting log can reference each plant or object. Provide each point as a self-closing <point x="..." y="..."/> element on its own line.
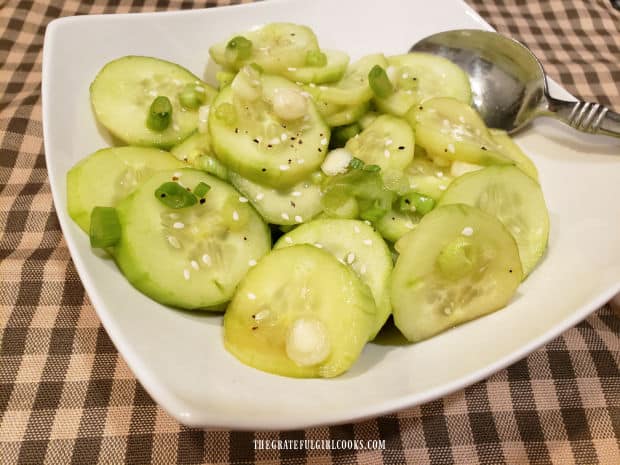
<point x="509" y="85"/>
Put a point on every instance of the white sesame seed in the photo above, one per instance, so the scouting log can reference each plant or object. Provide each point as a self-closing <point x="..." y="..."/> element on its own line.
<point x="176" y="175"/>
<point x="235" y="215"/>
<point x="292" y="69"/>
<point x="260" y="196"/>
<point x="251" y="296"/>
<point x="442" y="187"/>
<point x="324" y="141"/>
<point x="409" y="225"/>
<point x="284" y="167"/>
<point x="195" y="265"/>
<point x="405" y="76"/>
<point x="350" y="257"/>
<point x="367" y="242"/>
<point x="178" y="225"/>
<point x="199" y="88"/>
<point x="323" y="87"/>
<point x="243" y="200"/>
<point x="285" y="216"/>
<point x="386" y="153"/>
<point x="252" y="262"/>
<point x="186" y="274"/>
<point x="408" y="92"/>
<point x="299" y="219"/>
<point x="176" y="127"/>
<point x="467" y="231"/>
<point x="301" y="161"/>
<point x="363" y="269"/>
<point x="388" y="142"/>
<point x="274" y="141"/>
<point x="296" y="194"/>
<point x="368" y="222"/>
<point x="318" y="245"/>
<point x="174" y="242"/>
<point x="356" y="228"/>
<point x="206" y="259"/>
<point x="312" y="84"/>
<point x="283" y="137"/>
<point x="288" y="240"/>
<point x="445" y="122"/>
<point x="451" y="148"/>
<point x="461" y="119"/>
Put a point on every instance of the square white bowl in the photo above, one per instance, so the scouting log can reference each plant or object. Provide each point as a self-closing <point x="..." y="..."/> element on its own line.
<point x="179" y="356"/>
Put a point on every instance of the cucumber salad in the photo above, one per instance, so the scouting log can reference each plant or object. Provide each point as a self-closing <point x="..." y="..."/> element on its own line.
<point x="308" y="197"/>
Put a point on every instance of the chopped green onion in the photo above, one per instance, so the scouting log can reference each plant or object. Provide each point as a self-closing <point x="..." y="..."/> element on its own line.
<point x="105" y="228"/>
<point x="356" y="163"/>
<point x="372" y="168"/>
<point x="258" y="68"/>
<point x="373" y="209"/>
<point x="415" y="202"/>
<point x="173" y="195"/>
<point x="224" y="78"/>
<point x="342" y="134"/>
<point x="192" y="96"/>
<point x="316" y="58"/>
<point x="227" y="113"/>
<point x="239" y="48"/>
<point x="379" y="82"/>
<point x="160" y="114"/>
<point x="201" y="189"/>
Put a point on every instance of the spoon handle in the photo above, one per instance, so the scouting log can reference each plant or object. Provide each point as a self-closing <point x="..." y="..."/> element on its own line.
<point x="585" y="116"/>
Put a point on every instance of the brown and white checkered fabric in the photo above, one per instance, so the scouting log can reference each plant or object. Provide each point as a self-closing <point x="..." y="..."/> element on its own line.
<point x="66" y="397"/>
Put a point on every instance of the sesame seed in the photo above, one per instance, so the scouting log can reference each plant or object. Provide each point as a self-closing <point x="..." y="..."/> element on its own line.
<point x="283" y="137"/>
<point x="292" y="69"/>
<point x="296" y="194"/>
<point x="367" y="242"/>
<point x="467" y="231"/>
<point x="363" y="269"/>
<point x="299" y="219"/>
<point x="235" y="216"/>
<point x="251" y="296"/>
<point x="178" y="225"/>
<point x="451" y="148"/>
<point x="461" y="119"/>
<point x="323" y="87"/>
<point x="285" y="216"/>
<point x="312" y="84"/>
<point x="186" y="274"/>
<point x="195" y="265"/>
<point x="284" y="167"/>
<point x="252" y="262"/>
<point x="288" y="240"/>
<point x="439" y="174"/>
<point x="350" y="258"/>
<point x="260" y="196"/>
<point x="176" y="175"/>
<point x="176" y="127"/>
<point x="174" y="242"/>
<point x="318" y="245"/>
<point x="388" y="142"/>
<point x="243" y="200"/>
<point x="324" y="141"/>
<point x="274" y="141"/>
<point x="409" y="225"/>
<point x="356" y="228"/>
<point x="442" y="187"/>
<point x="408" y="92"/>
<point x="405" y="76"/>
<point x="206" y="259"/>
<point x="386" y="153"/>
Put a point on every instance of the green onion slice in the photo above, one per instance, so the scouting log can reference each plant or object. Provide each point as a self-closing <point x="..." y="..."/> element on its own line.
<point x="415" y="202"/>
<point x="201" y="189"/>
<point x="192" y="96"/>
<point x="379" y="82"/>
<point x="316" y="58"/>
<point x="160" y="114"/>
<point x="239" y="48"/>
<point x="173" y="195"/>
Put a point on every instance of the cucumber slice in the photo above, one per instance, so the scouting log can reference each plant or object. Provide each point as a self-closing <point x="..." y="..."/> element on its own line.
<point x="275" y="47"/>
<point x="295" y="205"/>
<point x="335" y="114"/>
<point x="417" y="77"/>
<point x="449" y="129"/>
<point x="359" y="246"/>
<point x="508" y="147"/>
<point x="124" y="89"/>
<point x="196" y="151"/>
<point x="515" y="199"/>
<point x="387" y="142"/>
<point x="190" y="257"/>
<point x="105" y="177"/>
<point x="299" y="313"/>
<point x="458" y="264"/>
<point x="252" y="140"/>
<point x="335" y="68"/>
<point x="427" y="178"/>
<point x="353" y="88"/>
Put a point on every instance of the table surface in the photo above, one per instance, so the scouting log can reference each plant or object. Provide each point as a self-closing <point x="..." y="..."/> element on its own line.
<point x="66" y="396"/>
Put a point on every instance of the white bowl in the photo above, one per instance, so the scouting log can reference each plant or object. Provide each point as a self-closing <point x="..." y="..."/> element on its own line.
<point x="179" y="357"/>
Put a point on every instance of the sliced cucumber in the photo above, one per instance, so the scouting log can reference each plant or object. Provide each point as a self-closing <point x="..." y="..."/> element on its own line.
<point x="427" y="178"/>
<point x="341" y="115"/>
<point x="359" y="246"/>
<point x="190" y="257"/>
<point x="507" y="146"/>
<point x="107" y="176"/>
<point x="458" y="264"/>
<point x="197" y="153"/>
<point x="417" y="77"/>
<point x="275" y="47"/>
<point x="299" y="313"/>
<point x="295" y="205"/>
<point x="515" y="199"/>
<point x="332" y="71"/>
<point x="251" y="139"/>
<point x="449" y="129"/>
<point x="124" y="90"/>
<point x="353" y="88"/>
<point x="387" y="142"/>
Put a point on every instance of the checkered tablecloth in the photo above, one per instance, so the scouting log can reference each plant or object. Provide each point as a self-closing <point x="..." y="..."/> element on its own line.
<point x="67" y="397"/>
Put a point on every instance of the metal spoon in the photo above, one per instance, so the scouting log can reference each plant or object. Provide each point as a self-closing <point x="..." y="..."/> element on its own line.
<point x="509" y="85"/>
